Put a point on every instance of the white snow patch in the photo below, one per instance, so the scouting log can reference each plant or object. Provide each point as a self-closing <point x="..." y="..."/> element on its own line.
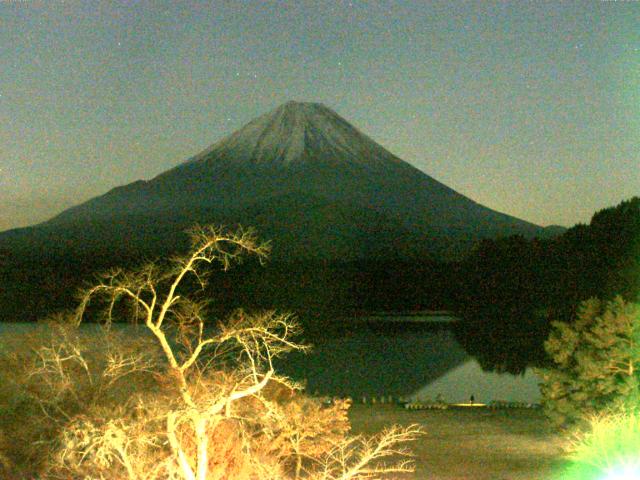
<point x="282" y="136"/>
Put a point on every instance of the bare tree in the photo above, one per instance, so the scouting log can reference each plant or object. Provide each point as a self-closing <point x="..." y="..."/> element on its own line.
<point x="219" y="409"/>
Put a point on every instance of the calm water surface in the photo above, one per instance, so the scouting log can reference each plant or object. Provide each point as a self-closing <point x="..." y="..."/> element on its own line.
<point x="374" y="361"/>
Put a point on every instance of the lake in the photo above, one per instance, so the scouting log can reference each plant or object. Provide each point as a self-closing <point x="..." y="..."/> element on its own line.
<point x="390" y="357"/>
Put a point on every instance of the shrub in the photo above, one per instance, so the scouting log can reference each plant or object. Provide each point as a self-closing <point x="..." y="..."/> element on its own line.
<point x="55" y="373"/>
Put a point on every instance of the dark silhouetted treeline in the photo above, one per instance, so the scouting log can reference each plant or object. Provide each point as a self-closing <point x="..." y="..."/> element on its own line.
<point x="317" y="291"/>
<point x="507" y="290"/>
<point x="511" y="288"/>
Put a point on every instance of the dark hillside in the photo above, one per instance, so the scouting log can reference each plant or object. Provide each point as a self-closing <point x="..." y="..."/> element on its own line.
<point x="323" y="192"/>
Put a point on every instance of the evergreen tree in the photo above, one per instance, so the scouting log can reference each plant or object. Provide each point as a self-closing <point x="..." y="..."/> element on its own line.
<point x="597" y="361"/>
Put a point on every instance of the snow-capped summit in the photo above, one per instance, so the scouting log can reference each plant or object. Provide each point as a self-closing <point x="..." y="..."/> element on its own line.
<point x="298" y="132"/>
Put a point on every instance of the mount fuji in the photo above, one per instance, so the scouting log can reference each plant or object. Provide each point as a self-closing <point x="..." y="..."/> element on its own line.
<point x="304" y="178"/>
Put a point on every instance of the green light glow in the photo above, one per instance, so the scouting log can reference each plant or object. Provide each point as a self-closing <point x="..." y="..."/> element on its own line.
<point x="624" y="472"/>
<point x="610" y="450"/>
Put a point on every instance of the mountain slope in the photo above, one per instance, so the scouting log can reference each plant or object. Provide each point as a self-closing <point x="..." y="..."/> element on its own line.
<point x="303" y="164"/>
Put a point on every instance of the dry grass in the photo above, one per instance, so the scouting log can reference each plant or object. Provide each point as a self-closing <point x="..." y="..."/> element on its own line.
<point x="473" y="444"/>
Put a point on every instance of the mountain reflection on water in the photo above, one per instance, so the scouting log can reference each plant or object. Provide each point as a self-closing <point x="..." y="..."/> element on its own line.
<point x="412" y="360"/>
<point x="376" y="361"/>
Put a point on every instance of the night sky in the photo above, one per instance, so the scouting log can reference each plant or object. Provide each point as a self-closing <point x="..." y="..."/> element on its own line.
<point x="530" y="108"/>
